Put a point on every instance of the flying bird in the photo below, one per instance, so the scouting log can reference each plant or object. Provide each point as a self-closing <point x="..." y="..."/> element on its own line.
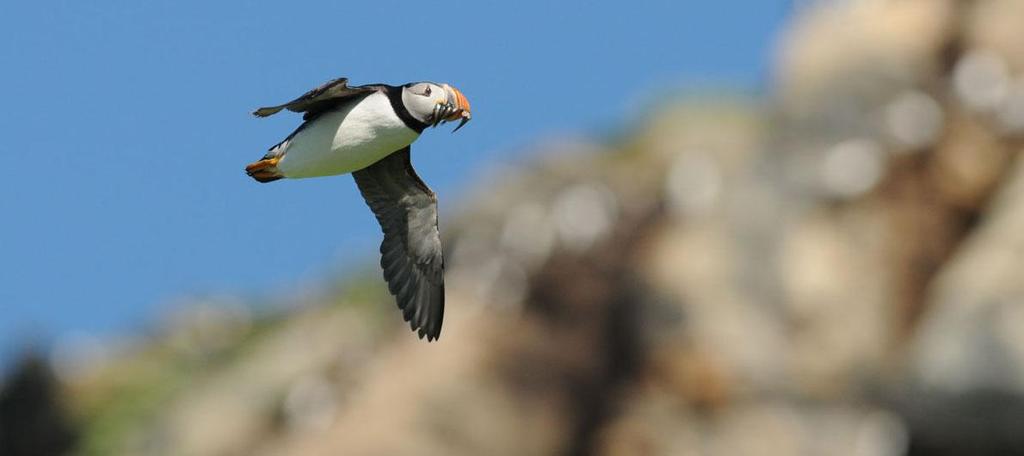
<point x="367" y="131"/>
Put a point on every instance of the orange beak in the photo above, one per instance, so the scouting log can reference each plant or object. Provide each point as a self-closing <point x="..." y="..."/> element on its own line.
<point x="460" y="104"/>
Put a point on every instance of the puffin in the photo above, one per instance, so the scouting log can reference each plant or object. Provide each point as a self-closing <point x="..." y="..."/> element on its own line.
<point x="367" y="131"/>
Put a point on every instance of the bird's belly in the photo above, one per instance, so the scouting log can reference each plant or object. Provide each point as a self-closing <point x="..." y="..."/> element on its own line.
<point x="341" y="142"/>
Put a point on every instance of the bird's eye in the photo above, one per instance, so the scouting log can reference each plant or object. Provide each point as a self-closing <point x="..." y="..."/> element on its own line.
<point x="426" y="92"/>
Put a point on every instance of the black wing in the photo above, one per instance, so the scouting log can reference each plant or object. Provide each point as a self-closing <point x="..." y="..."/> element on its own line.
<point x="319" y="99"/>
<point x="411" y="252"/>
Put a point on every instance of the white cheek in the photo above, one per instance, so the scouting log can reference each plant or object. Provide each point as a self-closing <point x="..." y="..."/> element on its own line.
<point x="422" y="108"/>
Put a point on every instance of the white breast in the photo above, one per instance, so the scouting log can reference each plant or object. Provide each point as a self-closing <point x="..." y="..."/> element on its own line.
<point x="348" y="139"/>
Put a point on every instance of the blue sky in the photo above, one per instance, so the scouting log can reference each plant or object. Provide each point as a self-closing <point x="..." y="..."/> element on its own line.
<point x="126" y="127"/>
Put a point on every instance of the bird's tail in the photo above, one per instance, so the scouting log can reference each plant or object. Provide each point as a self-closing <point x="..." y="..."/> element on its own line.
<point x="265" y="170"/>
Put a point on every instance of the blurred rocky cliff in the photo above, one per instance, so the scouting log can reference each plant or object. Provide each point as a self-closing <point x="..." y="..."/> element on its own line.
<point x="836" y="268"/>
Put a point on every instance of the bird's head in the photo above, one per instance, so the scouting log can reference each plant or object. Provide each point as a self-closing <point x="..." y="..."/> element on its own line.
<point x="434" y="104"/>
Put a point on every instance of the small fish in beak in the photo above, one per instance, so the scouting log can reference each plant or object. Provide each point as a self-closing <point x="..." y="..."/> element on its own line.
<point x="456" y="107"/>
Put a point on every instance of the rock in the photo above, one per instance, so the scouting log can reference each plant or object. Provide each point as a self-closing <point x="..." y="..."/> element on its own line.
<point x="972" y="338"/>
